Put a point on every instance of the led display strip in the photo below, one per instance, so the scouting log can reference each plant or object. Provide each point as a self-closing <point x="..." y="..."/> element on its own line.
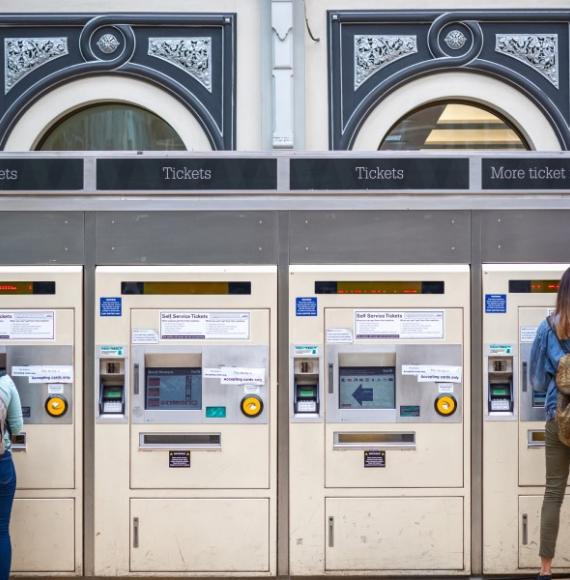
<point x="185" y="288"/>
<point x="534" y="286"/>
<point x="379" y="287"/>
<point x="19" y="288"/>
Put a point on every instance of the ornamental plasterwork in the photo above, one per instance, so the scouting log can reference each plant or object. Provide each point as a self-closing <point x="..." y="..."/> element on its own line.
<point x="374" y="52"/>
<point x="192" y="55"/>
<point x="539" y="51"/>
<point x="455" y="39"/>
<point x="108" y="43"/>
<point x="24" y="55"/>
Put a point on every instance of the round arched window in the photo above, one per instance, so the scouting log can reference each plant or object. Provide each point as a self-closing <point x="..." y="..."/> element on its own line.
<point x="453" y="125"/>
<point x="111" y="127"/>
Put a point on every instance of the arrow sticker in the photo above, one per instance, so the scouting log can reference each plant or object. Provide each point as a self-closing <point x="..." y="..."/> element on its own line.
<point x="363" y="395"/>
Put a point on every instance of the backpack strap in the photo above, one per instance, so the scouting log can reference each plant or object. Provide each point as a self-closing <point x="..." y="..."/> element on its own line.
<point x="552" y="327"/>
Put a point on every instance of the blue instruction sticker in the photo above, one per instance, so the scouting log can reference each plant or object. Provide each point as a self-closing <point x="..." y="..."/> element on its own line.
<point x="111" y="306"/>
<point x="306" y="306"/>
<point x="495" y="303"/>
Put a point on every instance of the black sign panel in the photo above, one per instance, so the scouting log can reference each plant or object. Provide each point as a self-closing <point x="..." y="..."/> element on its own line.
<point x="375" y="458"/>
<point x="177" y="459"/>
<point x="41" y="174"/>
<point x="186" y="174"/>
<point x="529" y="173"/>
<point x="381" y="173"/>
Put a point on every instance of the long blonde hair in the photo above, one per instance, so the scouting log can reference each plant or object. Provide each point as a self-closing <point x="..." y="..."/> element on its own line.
<point x="562" y="311"/>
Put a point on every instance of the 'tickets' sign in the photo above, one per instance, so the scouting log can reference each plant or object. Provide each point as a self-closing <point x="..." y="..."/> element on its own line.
<point x="380" y="173"/>
<point x="186" y="174"/>
<point x="41" y="174"/>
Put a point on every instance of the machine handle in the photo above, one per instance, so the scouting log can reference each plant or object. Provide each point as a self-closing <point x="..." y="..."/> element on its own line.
<point x="154" y="441"/>
<point x="20" y="442"/>
<point x="136" y="379"/>
<point x="525" y="376"/>
<point x="331" y="378"/>
<point x="374" y="439"/>
<point x="331" y="532"/>
<point x="525" y="529"/>
<point x="135" y="532"/>
<point x="535" y="438"/>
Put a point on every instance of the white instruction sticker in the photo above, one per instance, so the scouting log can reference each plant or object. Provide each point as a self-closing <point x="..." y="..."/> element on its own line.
<point x="144" y="336"/>
<point x="338" y="335"/>
<point x="56" y="389"/>
<point x="44" y="374"/>
<point x="236" y="375"/>
<point x="404" y="324"/>
<point x="445" y="388"/>
<point x="27" y="325"/>
<point x="198" y="325"/>
<point x="434" y="373"/>
<point x="306" y="350"/>
<point x="109" y="351"/>
<point x="528" y="333"/>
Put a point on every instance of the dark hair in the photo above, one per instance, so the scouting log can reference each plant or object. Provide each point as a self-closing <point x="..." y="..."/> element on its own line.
<point x="563" y="307"/>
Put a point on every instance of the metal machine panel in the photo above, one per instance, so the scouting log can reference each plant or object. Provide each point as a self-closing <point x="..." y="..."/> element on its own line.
<point x="200" y="535"/>
<point x="41" y="237"/>
<point x="200" y="237"/>
<point x="238" y="458"/>
<point x="214" y="393"/>
<point x="524" y="236"/>
<point x="34" y="395"/>
<point x="529" y="532"/>
<point x="420" y="456"/>
<point x="369" y="237"/>
<point x="43" y="535"/>
<point x="389" y="533"/>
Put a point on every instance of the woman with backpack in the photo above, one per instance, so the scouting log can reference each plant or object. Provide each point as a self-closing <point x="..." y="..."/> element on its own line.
<point x="550" y="372"/>
<point x="11" y="423"/>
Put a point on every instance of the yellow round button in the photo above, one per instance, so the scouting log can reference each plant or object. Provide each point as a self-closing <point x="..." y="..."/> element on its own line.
<point x="251" y="406"/>
<point x="56" y="406"/>
<point x="445" y="405"/>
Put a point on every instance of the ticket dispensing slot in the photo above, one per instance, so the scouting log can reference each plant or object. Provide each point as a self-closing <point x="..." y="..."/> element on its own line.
<point x="536" y="437"/>
<point x="19" y="442"/>
<point x="376" y="439"/>
<point x="306" y="381"/>
<point x="501" y="395"/>
<point x="112" y="386"/>
<point x="191" y="441"/>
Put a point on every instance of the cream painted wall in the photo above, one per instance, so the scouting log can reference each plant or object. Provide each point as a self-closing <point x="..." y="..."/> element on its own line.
<point x="460" y="85"/>
<point x="61" y="101"/>
<point x="316" y="108"/>
<point x="249" y="39"/>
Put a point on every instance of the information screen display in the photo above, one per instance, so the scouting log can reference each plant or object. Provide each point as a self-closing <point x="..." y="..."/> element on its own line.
<point x="367" y="387"/>
<point x="379" y="287"/>
<point x="534" y="286"/>
<point x="173" y="389"/>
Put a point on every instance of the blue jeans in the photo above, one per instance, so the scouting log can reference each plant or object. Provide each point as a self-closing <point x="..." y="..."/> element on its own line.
<point x="7" y="491"/>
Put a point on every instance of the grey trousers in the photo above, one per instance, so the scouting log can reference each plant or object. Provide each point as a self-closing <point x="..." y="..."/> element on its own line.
<point x="557" y="466"/>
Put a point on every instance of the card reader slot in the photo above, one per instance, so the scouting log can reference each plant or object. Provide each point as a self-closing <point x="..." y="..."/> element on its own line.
<point x="20" y="442"/>
<point x="535" y="437"/>
<point x="150" y="441"/>
<point x="371" y="439"/>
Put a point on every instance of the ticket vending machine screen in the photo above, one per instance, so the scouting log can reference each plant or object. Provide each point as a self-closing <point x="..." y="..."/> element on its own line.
<point x="367" y="387"/>
<point x="173" y="389"/>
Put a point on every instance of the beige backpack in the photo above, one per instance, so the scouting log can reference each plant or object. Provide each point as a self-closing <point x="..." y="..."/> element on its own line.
<point x="562" y="379"/>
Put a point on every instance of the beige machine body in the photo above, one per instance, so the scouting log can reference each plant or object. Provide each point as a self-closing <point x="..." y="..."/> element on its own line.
<point x="517" y="298"/>
<point x="41" y="349"/>
<point x="379" y="410"/>
<point x="185" y="443"/>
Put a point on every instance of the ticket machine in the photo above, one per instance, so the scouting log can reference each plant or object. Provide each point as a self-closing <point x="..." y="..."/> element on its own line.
<point x="185" y="442"/>
<point x="379" y="420"/>
<point x="517" y="298"/>
<point x="40" y="348"/>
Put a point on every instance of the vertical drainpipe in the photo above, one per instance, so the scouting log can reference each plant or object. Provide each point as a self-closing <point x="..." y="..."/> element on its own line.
<point x="283" y="129"/>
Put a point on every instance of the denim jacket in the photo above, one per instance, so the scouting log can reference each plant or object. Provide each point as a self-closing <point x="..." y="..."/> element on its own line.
<point x="544" y="357"/>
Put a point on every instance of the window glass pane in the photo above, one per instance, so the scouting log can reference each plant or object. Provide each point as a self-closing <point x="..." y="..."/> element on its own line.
<point x="453" y="126"/>
<point x="112" y="127"/>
